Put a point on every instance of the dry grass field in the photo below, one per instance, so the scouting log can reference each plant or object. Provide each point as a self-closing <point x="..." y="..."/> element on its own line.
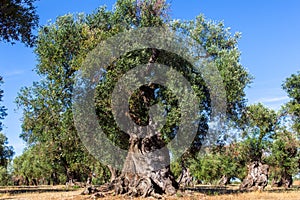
<point x="198" y="193"/>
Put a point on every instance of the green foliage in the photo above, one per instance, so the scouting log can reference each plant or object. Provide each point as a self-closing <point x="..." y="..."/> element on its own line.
<point x="206" y="169"/>
<point x="258" y="129"/>
<point x="142" y="13"/>
<point x="292" y="87"/>
<point x="176" y="168"/>
<point x="284" y="155"/>
<point x="221" y="47"/>
<point x="48" y="126"/>
<point x="268" y="139"/>
<point x="260" y="123"/>
<point x="55" y="152"/>
<point x="2" y="108"/>
<point x="218" y="162"/>
<point x="18" y="19"/>
<point x="31" y="165"/>
<point x="47" y="105"/>
<point x="35" y="163"/>
<point x="6" y="152"/>
<point x="5" y="176"/>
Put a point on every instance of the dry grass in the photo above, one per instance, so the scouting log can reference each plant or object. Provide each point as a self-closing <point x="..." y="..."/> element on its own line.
<point x="202" y="193"/>
<point x="41" y="192"/>
<point x="258" y="196"/>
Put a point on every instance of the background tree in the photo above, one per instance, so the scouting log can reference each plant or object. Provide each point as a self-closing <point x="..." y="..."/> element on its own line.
<point x="18" y="19"/>
<point x="2" y="108"/>
<point x="219" y="165"/>
<point x="6" y="152"/>
<point x="47" y="105"/>
<point x="260" y="128"/>
<point x="6" y="155"/>
<point x="285" y="151"/>
<point x="284" y="158"/>
<point x="292" y="87"/>
<point x="29" y="168"/>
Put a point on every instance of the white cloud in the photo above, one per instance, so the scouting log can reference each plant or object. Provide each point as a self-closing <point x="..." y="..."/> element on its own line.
<point x="274" y="103"/>
<point x="13" y="73"/>
<point x="273" y="99"/>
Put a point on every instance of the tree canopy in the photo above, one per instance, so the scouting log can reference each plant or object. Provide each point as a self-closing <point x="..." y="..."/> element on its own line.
<point x="2" y="108"/>
<point x="292" y="87"/>
<point x="18" y="20"/>
<point x="6" y="152"/>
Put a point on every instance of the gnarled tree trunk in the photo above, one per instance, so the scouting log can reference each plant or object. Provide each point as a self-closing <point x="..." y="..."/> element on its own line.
<point x="225" y="180"/>
<point x="285" y="180"/>
<point x="146" y="171"/>
<point x="185" y="179"/>
<point x="257" y="178"/>
<point x="113" y="173"/>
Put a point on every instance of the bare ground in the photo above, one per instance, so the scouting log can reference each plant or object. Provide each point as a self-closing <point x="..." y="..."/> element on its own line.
<point x="197" y="193"/>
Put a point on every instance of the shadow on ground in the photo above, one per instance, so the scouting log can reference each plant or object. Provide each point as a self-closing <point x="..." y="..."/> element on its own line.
<point x="233" y="189"/>
<point x="31" y="189"/>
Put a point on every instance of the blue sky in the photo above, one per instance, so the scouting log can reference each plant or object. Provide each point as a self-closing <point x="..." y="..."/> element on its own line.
<point x="270" y="46"/>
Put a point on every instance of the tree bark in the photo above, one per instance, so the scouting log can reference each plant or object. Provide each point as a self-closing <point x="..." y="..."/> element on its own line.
<point x="224" y="180"/>
<point x="185" y="179"/>
<point x="257" y="178"/>
<point x="146" y="171"/>
<point x="113" y="173"/>
<point x="285" y="180"/>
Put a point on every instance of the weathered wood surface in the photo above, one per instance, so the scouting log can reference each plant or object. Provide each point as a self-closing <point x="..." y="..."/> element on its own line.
<point x="285" y="180"/>
<point x="257" y="178"/>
